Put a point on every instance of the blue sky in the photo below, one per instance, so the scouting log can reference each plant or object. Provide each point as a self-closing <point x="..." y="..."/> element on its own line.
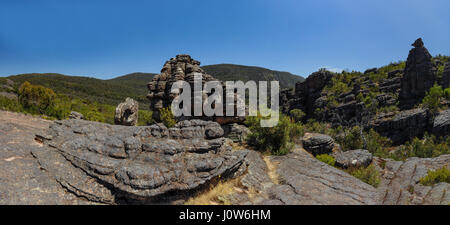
<point x="105" y="39"/>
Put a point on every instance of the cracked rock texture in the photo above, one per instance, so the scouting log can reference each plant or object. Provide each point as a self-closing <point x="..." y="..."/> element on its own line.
<point x="300" y="179"/>
<point x="400" y="182"/>
<point x="22" y="180"/>
<point x="82" y="162"/>
<point x="122" y="164"/>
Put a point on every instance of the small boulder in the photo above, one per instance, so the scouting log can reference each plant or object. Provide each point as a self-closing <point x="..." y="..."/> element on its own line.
<point x="236" y="132"/>
<point x="76" y="115"/>
<point x="127" y="113"/>
<point x="353" y="158"/>
<point x="318" y="143"/>
<point x="441" y="124"/>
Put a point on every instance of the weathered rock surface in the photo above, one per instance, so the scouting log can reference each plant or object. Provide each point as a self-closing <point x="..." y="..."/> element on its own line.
<point x="76" y="115"/>
<point x="123" y="164"/>
<point x="120" y="164"/>
<point x="184" y="68"/>
<point x="127" y="113"/>
<point x="419" y="75"/>
<point x="22" y="180"/>
<point x="353" y="158"/>
<point x="400" y="182"/>
<point x="446" y="76"/>
<point x="305" y="93"/>
<point x="402" y="126"/>
<point x="236" y="132"/>
<point x="318" y="143"/>
<point x="305" y="180"/>
<point x="441" y="124"/>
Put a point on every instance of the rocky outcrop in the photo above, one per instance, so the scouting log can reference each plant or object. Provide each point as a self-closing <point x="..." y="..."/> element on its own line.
<point x="76" y="115"/>
<point x="305" y="180"/>
<point x="306" y="93"/>
<point x="236" y="132"/>
<point x="183" y="68"/>
<point x="400" y="182"/>
<point x="419" y="75"/>
<point x="127" y="113"/>
<point x="318" y="144"/>
<point x="441" y="124"/>
<point x="299" y="179"/>
<point x="401" y="127"/>
<point x="353" y="158"/>
<point x="446" y="76"/>
<point x="22" y="180"/>
<point x="124" y="164"/>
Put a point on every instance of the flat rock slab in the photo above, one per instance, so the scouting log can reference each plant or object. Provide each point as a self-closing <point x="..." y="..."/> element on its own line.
<point x="400" y="184"/>
<point x="22" y="180"/>
<point x="300" y="179"/>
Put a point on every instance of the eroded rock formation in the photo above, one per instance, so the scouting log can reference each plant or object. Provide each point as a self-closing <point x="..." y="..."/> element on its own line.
<point x="127" y="113"/>
<point x="446" y="76"/>
<point x="183" y="68"/>
<point x="419" y="75"/>
<point x="402" y="126"/>
<point x="122" y="164"/>
<point x="400" y="182"/>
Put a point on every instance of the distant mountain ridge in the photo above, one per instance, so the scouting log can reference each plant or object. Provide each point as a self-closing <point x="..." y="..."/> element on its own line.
<point x="134" y="85"/>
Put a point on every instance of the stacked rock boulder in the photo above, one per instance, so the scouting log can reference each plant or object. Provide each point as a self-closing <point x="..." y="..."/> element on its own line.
<point x="419" y="75"/>
<point x="181" y="68"/>
<point x="125" y="164"/>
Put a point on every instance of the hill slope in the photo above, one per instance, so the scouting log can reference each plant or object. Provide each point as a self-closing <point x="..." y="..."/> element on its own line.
<point x="245" y="73"/>
<point x="134" y="85"/>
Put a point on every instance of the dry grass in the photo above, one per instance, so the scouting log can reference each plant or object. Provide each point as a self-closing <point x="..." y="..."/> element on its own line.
<point x="216" y="195"/>
<point x="272" y="170"/>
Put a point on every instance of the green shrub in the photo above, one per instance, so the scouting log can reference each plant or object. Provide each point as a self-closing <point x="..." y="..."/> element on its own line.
<point x="277" y="140"/>
<point x="438" y="176"/>
<point x="297" y="114"/>
<point x="429" y="146"/>
<point x="433" y="97"/>
<point x="167" y="117"/>
<point x="328" y="159"/>
<point x="10" y="104"/>
<point x="447" y="93"/>
<point x="368" y="175"/>
<point x="36" y="98"/>
<point x="351" y="139"/>
<point x="145" y="118"/>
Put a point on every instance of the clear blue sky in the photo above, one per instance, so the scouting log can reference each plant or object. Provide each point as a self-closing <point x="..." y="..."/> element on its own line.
<point x="109" y="38"/>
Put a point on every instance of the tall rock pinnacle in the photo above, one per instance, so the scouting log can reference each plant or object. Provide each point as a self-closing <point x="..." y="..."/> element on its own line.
<point x="419" y="75"/>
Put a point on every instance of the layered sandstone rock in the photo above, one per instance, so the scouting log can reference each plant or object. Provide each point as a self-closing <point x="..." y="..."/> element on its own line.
<point x="419" y="75"/>
<point x="123" y="164"/>
<point x="400" y="182"/>
<point x="403" y="126"/>
<point x="184" y="68"/>
<point x="446" y="76"/>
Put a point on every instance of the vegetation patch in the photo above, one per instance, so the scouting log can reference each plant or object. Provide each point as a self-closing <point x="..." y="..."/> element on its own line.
<point x="368" y="175"/>
<point x="328" y="159"/>
<point x="436" y="176"/>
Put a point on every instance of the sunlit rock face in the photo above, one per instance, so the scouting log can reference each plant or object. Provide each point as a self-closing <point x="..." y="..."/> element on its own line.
<point x="184" y="68"/>
<point x="419" y="75"/>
